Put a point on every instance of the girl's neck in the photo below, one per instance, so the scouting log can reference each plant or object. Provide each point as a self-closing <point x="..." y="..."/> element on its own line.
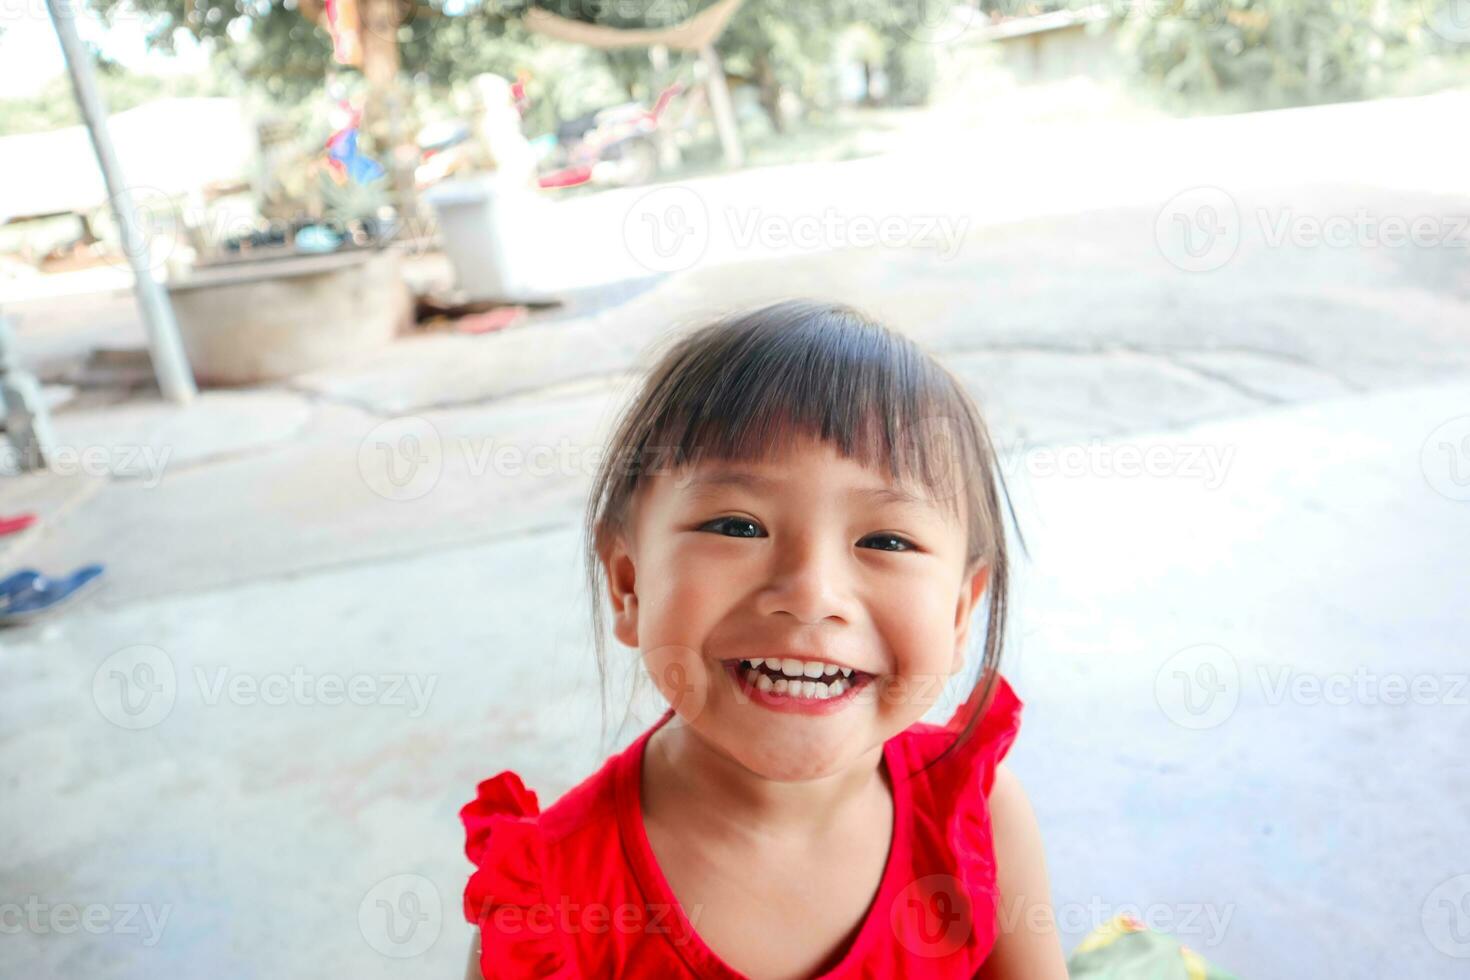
<point x="684" y="771"/>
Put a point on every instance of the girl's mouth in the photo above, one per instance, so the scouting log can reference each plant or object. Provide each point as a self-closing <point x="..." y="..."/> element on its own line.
<point x="797" y="685"/>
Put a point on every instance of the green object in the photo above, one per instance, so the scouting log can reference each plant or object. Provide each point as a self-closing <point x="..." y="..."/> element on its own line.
<point x="1125" y="949"/>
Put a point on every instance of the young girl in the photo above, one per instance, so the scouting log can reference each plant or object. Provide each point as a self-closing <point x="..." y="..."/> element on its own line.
<point x="797" y="516"/>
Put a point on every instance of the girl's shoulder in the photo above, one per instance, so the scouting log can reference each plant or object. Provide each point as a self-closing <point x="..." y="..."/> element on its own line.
<point x="534" y="868"/>
<point x="950" y="844"/>
<point x="994" y="731"/>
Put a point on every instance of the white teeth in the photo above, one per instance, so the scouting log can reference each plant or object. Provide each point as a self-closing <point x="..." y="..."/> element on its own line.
<point x="792" y="667"/>
<point x="800" y="677"/>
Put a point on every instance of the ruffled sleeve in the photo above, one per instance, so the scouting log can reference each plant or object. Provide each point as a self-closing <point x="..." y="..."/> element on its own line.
<point x="990" y="740"/>
<point x="960" y="783"/>
<point x="506" y="894"/>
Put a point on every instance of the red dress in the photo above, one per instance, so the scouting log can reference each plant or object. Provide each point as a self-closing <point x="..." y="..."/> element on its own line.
<point x="576" y="891"/>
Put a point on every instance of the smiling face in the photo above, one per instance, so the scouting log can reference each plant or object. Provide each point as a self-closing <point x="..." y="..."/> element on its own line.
<point x="805" y="559"/>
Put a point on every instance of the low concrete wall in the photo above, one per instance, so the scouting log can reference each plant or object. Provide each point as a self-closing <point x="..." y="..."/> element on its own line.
<point x="273" y="318"/>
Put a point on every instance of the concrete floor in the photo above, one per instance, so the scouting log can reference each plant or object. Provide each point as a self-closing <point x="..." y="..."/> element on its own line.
<point x="257" y="540"/>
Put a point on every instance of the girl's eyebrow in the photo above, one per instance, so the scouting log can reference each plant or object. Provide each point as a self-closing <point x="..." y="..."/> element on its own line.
<point x="891" y="495"/>
<point x="725" y="478"/>
<point x="713" y="480"/>
<point x="709" y="482"/>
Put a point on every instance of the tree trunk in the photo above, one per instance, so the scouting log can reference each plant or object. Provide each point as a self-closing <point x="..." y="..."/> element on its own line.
<point x="770" y="91"/>
<point x="384" y="112"/>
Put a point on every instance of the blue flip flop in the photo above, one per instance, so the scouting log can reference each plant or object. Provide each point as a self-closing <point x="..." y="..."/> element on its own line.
<point x="18" y="580"/>
<point x="28" y="594"/>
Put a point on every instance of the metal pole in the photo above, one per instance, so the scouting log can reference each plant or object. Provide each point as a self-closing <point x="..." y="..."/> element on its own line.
<point x="170" y="365"/>
<point x="719" y="101"/>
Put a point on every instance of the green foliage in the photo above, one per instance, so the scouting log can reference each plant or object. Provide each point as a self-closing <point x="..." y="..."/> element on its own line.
<point x="283" y="55"/>
<point x="346" y="201"/>
<point x="776" y="45"/>
<point x="270" y="44"/>
<point x="911" y="73"/>
<point x="795" y="47"/>
<point x="1272" y="52"/>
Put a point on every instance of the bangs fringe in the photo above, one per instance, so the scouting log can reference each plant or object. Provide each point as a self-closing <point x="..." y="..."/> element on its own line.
<point x="756" y="382"/>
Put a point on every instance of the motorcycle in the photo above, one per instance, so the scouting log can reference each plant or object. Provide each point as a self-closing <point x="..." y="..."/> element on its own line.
<point x="616" y="145"/>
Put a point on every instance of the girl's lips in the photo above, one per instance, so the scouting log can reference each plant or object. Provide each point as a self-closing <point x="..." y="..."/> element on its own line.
<point x="800" y="705"/>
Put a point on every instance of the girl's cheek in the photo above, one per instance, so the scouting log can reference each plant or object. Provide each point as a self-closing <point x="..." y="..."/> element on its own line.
<point x="704" y="572"/>
<point x="921" y="634"/>
<point x="918" y="686"/>
<point x="686" y="609"/>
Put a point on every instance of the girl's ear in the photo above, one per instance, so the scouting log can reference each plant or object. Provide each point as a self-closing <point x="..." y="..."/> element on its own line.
<point x="970" y="592"/>
<point x="617" y="566"/>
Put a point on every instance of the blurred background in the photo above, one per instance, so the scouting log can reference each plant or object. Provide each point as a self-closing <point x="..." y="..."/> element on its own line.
<point x="314" y="316"/>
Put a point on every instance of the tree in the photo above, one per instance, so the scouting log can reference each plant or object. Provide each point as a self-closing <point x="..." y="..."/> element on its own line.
<point x="792" y="47"/>
<point x="776" y="45"/>
<point x="1271" y="51"/>
<point x="284" y="46"/>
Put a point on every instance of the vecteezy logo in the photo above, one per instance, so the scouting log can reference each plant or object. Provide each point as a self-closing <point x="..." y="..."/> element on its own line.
<point x="1446" y="917"/>
<point x="667" y="229"/>
<point x="681" y="678"/>
<point x="1450" y="19"/>
<point x="135" y="687"/>
<point x="1198" y="230"/>
<point x="1198" y="687"/>
<point x="934" y="21"/>
<point x="150" y="220"/>
<point x="1445" y="459"/>
<point x="401" y="916"/>
<point x="402" y="458"/>
<point x="932" y="916"/>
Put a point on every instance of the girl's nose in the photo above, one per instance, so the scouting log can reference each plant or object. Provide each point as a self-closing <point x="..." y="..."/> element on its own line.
<point x="809" y="581"/>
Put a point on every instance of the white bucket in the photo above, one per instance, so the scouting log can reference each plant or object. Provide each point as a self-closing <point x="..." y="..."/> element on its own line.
<point x="492" y="229"/>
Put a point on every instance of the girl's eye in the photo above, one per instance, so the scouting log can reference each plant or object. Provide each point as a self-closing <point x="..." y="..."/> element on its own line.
<point x="737" y="522"/>
<point x="744" y="527"/>
<point x="904" y="544"/>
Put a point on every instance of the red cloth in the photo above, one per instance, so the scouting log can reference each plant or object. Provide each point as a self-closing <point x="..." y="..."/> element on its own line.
<point x="576" y="891"/>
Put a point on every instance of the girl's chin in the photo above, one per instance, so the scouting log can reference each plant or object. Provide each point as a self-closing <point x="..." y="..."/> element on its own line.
<point x="788" y="750"/>
<point x="785" y="770"/>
